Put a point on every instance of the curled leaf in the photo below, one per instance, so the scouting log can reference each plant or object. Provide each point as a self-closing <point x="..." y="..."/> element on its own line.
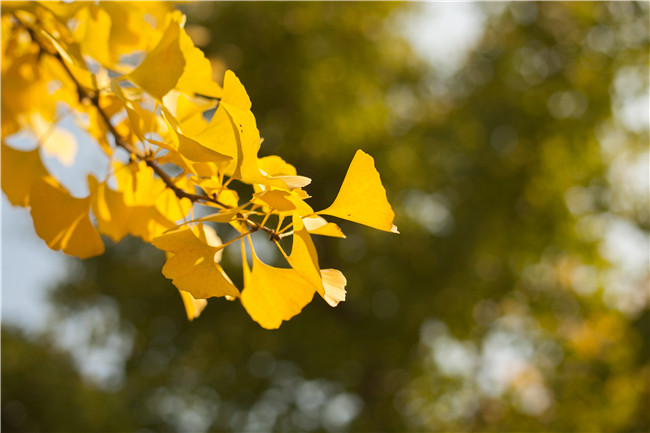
<point x="193" y="307"/>
<point x="334" y="283"/>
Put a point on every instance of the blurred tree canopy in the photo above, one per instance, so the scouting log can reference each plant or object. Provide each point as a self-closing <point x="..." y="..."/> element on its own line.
<point x="512" y="300"/>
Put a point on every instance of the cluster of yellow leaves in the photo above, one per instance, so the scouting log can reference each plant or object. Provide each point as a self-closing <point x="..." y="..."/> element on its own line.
<point x="148" y="113"/>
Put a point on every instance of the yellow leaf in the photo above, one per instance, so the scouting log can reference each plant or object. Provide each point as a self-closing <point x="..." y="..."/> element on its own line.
<point x="276" y="168"/>
<point x="193" y="264"/>
<point x="247" y="138"/>
<point x="234" y="92"/>
<point x="169" y="205"/>
<point x="193" y="307"/>
<point x="197" y="76"/>
<point x="233" y="131"/>
<point x="62" y="221"/>
<point x="317" y="225"/>
<point x="334" y="284"/>
<point x="152" y="208"/>
<point x="94" y="32"/>
<point x="190" y="114"/>
<point x="24" y="90"/>
<point x="163" y="66"/>
<point x="362" y="197"/>
<point x="190" y="148"/>
<point x="147" y="222"/>
<point x="220" y="137"/>
<point x="303" y="258"/>
<point x="20" y="170"/>
<point x="277" y="200"/>
<point x="273" y="165"/>
<point x="272" y="295"/>
<point x="282" y="202"/>
<point x="112" y="215"/>
<point x="175" y="63"/>
<point x="132" y="31"/>
<point x="137" y="182"/>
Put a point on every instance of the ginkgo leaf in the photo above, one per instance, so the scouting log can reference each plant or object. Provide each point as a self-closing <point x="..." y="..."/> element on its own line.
<point x="303" y="258"/>
<point x="190" y="148"/>
<point x="362" y="197"/>
<point x="134" y="31"/>
<point x="138" y="183"/>
<point x="20" y="169"/>
<point x="193" y="307"/>
<point x="147" y="222"/>
<point x="234" y="92"/>
<point x="189" y="113"/>
<point x="272" y="295"/>
<point x="273" y="165"/>
<point x="283" y="202"/>
<point x="334" y="284"/>
<point x="143" y="202"/>
<point x="192" y="265"/>
<point x="94" y="32"/>
<point x="175" y="63"/>
<point x="197" y="75"/>
<point x="112" y="215"/>
<point x="276" y="200"/>
<point x="172" y="207"/>
<point x="233" y="131"/>
<point x="276" y="168"/>
<point x="247" y="137"/>
<point x="317" y="225"/>
<point x="23" y="92"/>
<point x="63" y="221"/>
<point x="163" y="66"/>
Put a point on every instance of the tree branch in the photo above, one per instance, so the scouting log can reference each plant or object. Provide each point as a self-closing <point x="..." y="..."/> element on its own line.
<point x="93" y="98"/>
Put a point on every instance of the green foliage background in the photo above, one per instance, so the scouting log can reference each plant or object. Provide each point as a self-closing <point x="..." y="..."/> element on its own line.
<point x="503" y="178"/>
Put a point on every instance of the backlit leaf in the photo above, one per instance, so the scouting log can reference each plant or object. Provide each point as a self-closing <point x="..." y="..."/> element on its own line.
<point x="20" y="169"/>
<point x="193" y="307"/>
<point x="272" y="295"/>
<point x="317" y="225"/>
<point x="303" y="257"/>
<point x="163" y="66"/>
<point x="362" y="197"/>
<point x="334" y="284"/>
<point x="62" y="221"/>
